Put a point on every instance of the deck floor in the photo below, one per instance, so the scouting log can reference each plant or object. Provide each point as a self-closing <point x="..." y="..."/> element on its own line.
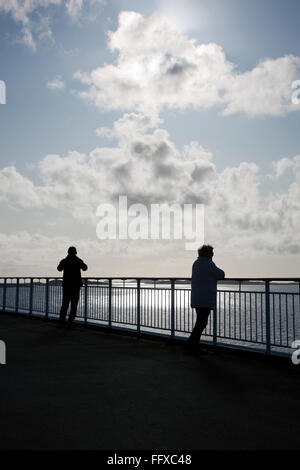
<point x="87" y="389"/>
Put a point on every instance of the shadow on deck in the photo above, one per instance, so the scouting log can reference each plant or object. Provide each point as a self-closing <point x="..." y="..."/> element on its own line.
<point x="87" y="389"/>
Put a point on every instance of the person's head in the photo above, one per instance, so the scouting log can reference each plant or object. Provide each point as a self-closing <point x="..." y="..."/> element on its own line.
<point x="72" y="251"/>
<point x="206" y="251"/>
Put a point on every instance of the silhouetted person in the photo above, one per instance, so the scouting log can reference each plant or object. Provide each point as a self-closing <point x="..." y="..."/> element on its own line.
<point x="205" y="275"/>
<point x="71" y="266"/>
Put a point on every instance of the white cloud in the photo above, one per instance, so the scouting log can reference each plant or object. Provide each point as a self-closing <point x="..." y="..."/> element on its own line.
<point x="265" y="90"/>
<point x="149" y="168"/>
<point x="21" y="11"/>
<point x="75" y="7"/>
<point x="56" y="84"/>
<point x="282" y="165"/>
<point x="31" y="14"/>
<point x="159" y="66"/>
<point x="130" y="125"/>
<point x="17" y="189"/>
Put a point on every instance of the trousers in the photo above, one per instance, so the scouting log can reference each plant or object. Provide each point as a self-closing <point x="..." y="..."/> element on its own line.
<point x="200" y="325"/>
<point x="70" y="295"/>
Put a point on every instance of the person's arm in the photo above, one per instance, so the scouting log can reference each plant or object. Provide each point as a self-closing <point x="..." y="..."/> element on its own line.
<point x="61" y="265"/>
<point x="83" y="266"/>
<point x="217" y="272"/>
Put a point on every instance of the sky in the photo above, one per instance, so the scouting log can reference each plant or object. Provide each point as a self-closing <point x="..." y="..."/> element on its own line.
<point x="164" y="102"/>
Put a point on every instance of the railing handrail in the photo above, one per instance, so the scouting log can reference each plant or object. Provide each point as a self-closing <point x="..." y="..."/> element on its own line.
<point x="163" y="278"/>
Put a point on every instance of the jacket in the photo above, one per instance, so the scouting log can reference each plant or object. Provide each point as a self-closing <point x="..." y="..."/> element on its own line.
<point x="71" y="266"/>
<point x="205" y="275"/>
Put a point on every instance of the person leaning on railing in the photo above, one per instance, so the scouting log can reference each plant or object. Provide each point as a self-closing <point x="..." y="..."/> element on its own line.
<point x="205" y="275"/>
<point x="71" y="266"/>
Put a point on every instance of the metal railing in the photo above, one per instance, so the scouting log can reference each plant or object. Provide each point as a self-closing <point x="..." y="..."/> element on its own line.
<point x="258" y="314"/>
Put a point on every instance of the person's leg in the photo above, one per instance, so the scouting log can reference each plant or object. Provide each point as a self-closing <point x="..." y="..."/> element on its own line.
<point x="74" y="303"/>
<point x="203" y="319"/>
<point x="200" y="325"/>
<point x="64" y="307"/>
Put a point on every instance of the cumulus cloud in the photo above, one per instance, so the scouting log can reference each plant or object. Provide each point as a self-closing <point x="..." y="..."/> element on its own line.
<point x="148" y="168"/>
<point x="159" y="66"/>
<point x="264" y="90"/>
<point x="284" y="164"/>
<point x="130" y="125"/>
<point x="17" y="189"/>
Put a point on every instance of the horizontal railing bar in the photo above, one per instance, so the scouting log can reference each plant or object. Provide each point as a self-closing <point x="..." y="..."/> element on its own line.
<point x="237" y="279"/>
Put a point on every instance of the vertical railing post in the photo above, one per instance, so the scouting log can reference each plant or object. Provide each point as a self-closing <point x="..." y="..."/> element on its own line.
<point x="31" y="296"/>
<point x="17" y="295"/>
<point x="4" y="294"/>
<point x="215" y="312"/>
<point x="138" y="305"/>
<point x="268" y="324"/>
<point x="85" y="300"/>
<point x="47" y="298"/>
<point x="215" y="321"/>
<point x="240" y="310"/>
<point x="109" y="301"/>
<point x="172" y="308"/>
